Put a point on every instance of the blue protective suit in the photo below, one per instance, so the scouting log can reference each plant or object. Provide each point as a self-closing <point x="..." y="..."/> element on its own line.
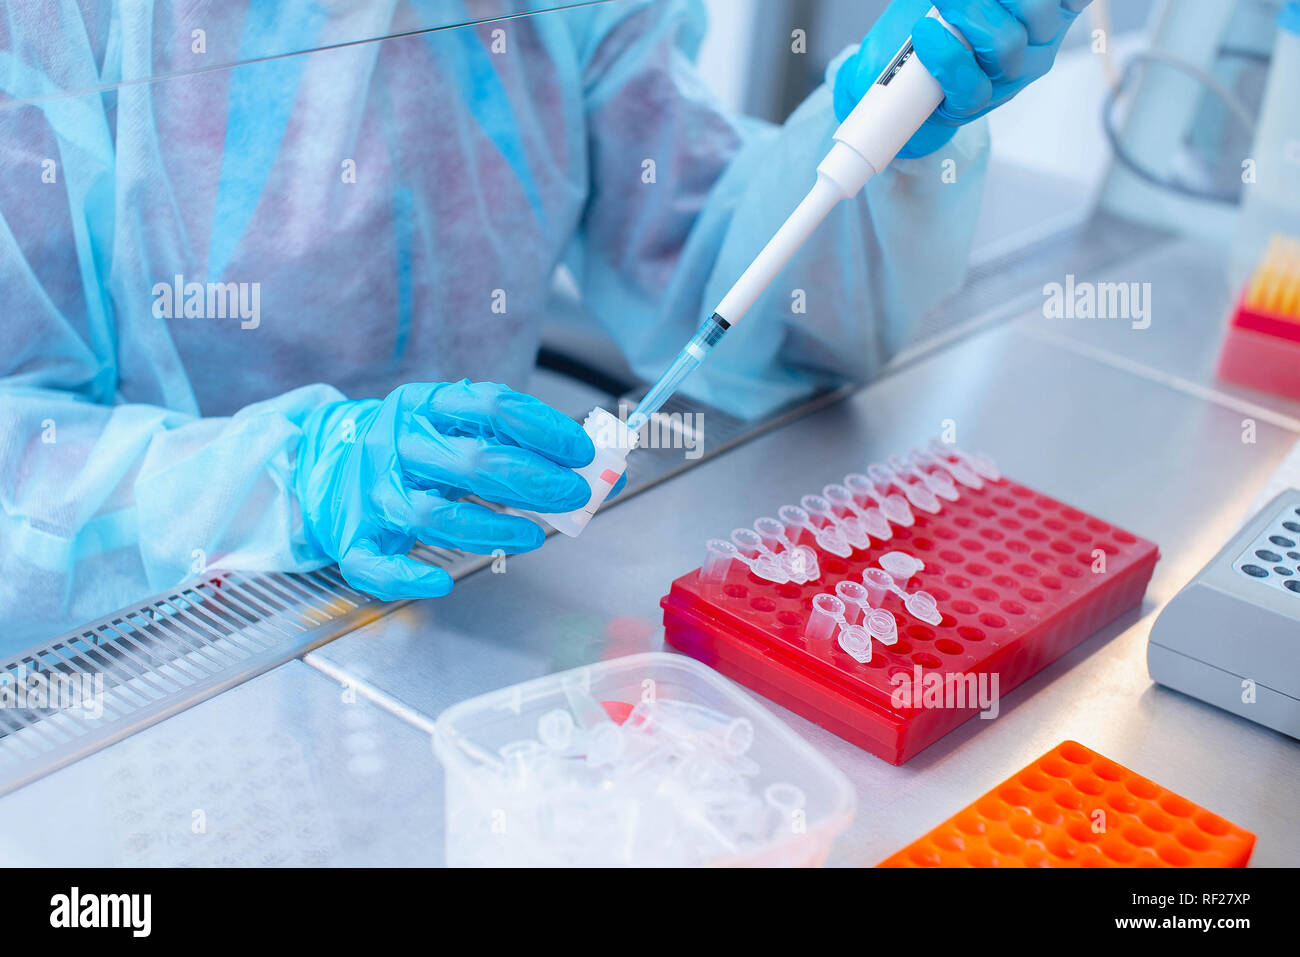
<point x="142" y="440"/>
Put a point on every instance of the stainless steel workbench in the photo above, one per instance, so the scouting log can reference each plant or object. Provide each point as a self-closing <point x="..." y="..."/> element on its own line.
<point x="327" y="759"/>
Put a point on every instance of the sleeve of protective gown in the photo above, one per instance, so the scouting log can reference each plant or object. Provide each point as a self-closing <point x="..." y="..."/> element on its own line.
<point x="105" y="502"/>
<point x="683" y="196"/>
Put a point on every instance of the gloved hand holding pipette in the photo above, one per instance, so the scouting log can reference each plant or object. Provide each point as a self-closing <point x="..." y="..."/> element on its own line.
<point x="982" y="57"/>
<point x="1013" y="43"/>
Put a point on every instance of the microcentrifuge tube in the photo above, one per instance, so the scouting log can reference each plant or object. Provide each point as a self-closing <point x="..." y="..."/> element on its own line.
<point x="736" y="734"/>
<point x="977" y="461"/>
<point x="787" y="799"/>
<point x="851" y="531"/>
<point x="921" y="496"/>
<point x="854" y="597"/>
<point x="937" y="481"/>
<point x="900" y="565"/>
<point x="840" y="496"/>
<point x="764" y="562"/>
<point x="801" y="564"/>
<point x="604" y="744"/>
<point x="878" y="583"/>
<point x="751" y="543"/>
<point x="555" y="729"/>
<point x="917" y="495"/>
<point x="827" y="615"/>
<point x="830" y="538"/>
<point x="958" y="469"/>
<point x="773" y="530"/>
<point x="941" y="484"/>
<point x="739" y="736"/>
<point x="719" y="555"/>
<point x="856" y="641"/>
<point x="875" y="523"/>
<point x="881" y="626"/>
<point x="520" y="757"/>
<point x="587" y="711"/>
<point x="964" y="474"/>
<point x="908" y="472"/>
<point x="983" y="464"/>
<point x="893" y="507"/>
<point x="870" y="517"/>
<point x="795" y="520"/>
<point x="882" y="476"/>
<point x="849" y="525"/>
<point x="650" y="721"/>
<point x="855" y="531"/>
<point x="922" y="605"/>
<point x="770" y="568"/>
<point x="613" y="440"/>
<point x="798" y="561"/>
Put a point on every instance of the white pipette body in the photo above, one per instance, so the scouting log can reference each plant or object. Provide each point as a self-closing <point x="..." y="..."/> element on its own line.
<point x="868" y="140"/>
<point x="889" y="113"/>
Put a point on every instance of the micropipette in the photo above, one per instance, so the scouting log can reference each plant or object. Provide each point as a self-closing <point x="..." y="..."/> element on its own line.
<point x="889" y="113"/>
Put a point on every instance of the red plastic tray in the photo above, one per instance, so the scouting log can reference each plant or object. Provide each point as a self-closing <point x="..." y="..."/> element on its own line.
<point x="1013" y="571"/>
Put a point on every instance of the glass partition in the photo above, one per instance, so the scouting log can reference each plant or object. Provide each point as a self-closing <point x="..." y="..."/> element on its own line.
<point x="70" y="47"/>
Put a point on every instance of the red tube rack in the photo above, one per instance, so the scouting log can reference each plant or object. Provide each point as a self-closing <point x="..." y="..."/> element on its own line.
<point x="1021" y="579"/>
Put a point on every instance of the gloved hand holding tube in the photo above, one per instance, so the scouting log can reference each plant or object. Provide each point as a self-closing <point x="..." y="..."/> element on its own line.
<point x="373" y="477"/>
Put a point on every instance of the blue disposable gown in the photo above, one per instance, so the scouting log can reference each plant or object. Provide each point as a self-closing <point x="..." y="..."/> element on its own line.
<point x="137" y="449"/>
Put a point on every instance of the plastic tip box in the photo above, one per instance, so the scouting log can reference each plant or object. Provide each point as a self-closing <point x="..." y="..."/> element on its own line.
<point x="1074" y="808"/>
<point x="1261" y="347"/>
<point x="568" y="770"/>
<point x="1262" y="351"/>
<point x="1020" y="579"/>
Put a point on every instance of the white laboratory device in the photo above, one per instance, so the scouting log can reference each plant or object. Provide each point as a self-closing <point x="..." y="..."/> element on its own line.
<point x="1232" y="635"/>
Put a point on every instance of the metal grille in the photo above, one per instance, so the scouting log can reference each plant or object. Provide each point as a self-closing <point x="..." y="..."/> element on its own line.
<point x="100" y="683"/>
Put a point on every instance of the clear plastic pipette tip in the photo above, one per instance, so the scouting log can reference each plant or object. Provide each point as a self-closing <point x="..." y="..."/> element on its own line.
<point x="687" y="361"/>
<point x="662" y="391"/>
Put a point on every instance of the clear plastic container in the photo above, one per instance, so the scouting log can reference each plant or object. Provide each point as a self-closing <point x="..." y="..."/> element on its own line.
<point x="496" y="818"/>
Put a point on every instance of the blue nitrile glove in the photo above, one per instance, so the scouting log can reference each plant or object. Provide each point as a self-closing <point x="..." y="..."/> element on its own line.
<point x="1015" y="42"/>
<point x="373" y="477"/>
